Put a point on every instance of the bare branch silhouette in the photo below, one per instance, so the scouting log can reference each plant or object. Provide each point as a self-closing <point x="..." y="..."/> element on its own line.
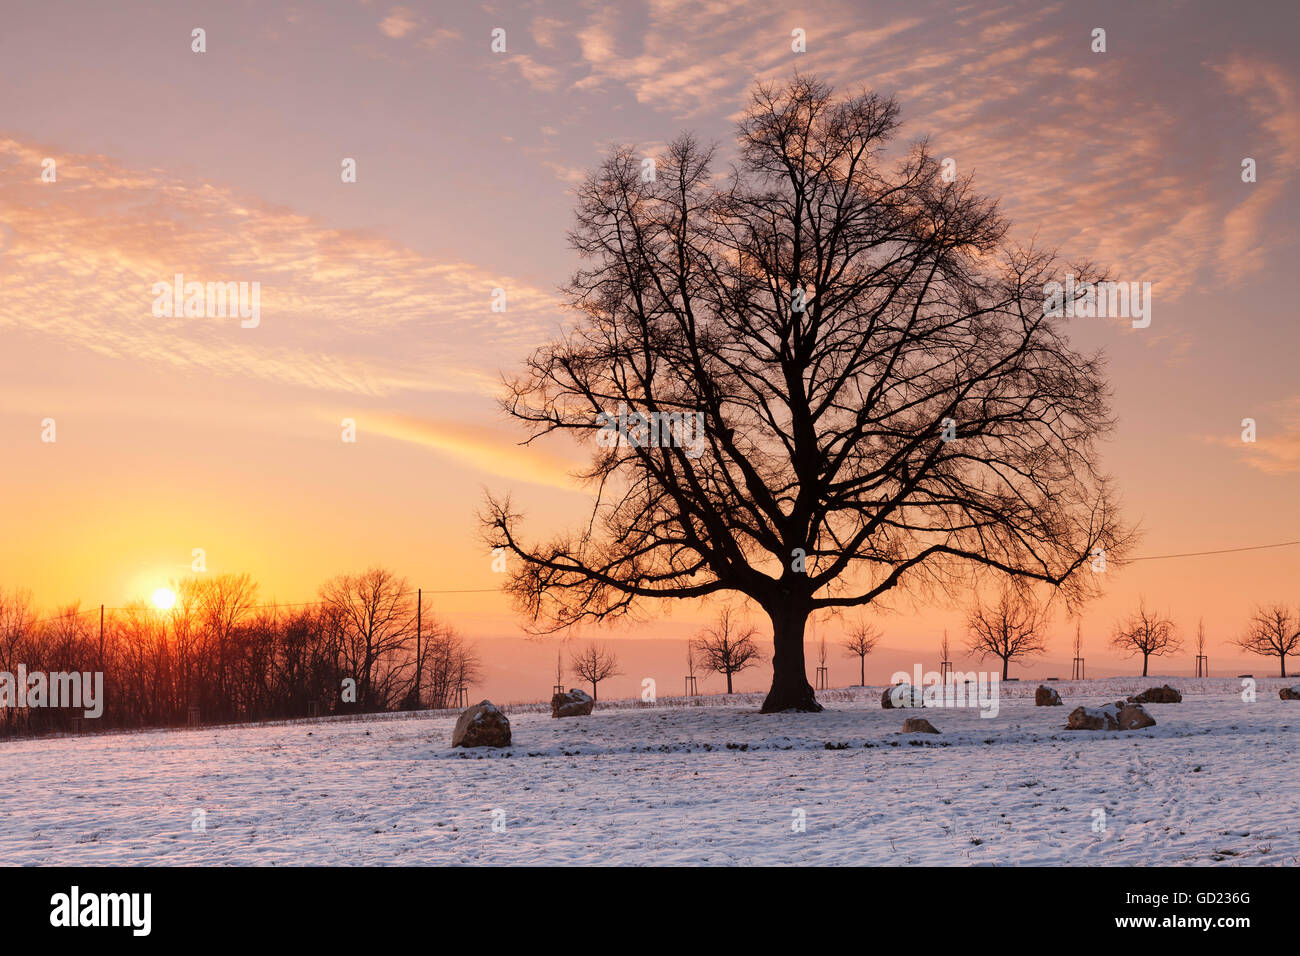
<point x="727" y="647"/>
<point x="1273" y="631"/>
<point x="1147" y="633"/>
<point x="1009" y="629"/>
<point x="593" y="664"/>
<point x="861" y="641"/>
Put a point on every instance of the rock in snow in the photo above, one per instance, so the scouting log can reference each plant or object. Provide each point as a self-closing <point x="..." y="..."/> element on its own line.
<point x="482" y="725"/>
<point x="1157" y="695"/>
<point x="1290" y="693"/>
<point x="1046" y="697"/>
<point x="575" y="703"/>
<point x="1120" y="715"/>
<point x="918" y="725"/>
<point x="901" y="695"/>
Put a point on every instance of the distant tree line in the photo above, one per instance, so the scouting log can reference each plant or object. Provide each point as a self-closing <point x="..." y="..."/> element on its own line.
<point x="218" y="649"/>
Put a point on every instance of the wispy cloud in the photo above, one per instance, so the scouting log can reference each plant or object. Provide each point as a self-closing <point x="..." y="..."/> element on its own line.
<point x="398" y="23"/>
<point x="1276" y="448"/>
<point x="482" y="449"/>
<point x="1270" y="96"/>
<point x="341" y="310"/>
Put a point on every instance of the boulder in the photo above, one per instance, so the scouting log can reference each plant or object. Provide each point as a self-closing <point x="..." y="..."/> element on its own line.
<point x="918" y="725"/>
<point x="575" y="703"/>
<point x="1135" y="717"/>
<point x="482" y="725"/>
<point x="1157" y="695"/>
<point x="1120" y="715"/>
<point x="1093" y="718"/>
<point x="1289" y="693"/>
<point x="901" y="695"/>
<point x="1046" y="697"/>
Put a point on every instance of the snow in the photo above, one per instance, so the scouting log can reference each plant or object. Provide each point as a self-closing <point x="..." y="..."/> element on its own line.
<point x="700" y="781"/>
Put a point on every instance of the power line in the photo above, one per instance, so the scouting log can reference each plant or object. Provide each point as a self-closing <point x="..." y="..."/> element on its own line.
<point x="278" y="604"/>
<point x="1197" y="554"/>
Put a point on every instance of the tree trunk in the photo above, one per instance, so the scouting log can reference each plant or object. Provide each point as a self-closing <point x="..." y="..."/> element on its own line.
<point x="862" y="677"/>
<point x="729" y="681"/>
<point x="790" y="687"/>
<point x="593" y="690"/>
<point x="1006" y="662"/>
<point x="1145" y="658"/>
<point x="1283" y="662"/>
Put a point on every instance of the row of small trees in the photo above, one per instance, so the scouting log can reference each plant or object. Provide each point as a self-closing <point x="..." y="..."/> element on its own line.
<point x="725" y="648"/>
<point x="366" y="645"/>
<point x="1011" y="628"/>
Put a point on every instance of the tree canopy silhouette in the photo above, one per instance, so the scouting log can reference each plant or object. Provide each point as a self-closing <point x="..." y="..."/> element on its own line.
<point x="882" y="401"/>
<point x="1148" y="633"/>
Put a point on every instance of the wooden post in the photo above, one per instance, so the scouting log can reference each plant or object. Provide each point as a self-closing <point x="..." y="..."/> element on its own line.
<point x="1202" y="666"/>
<point x="690" y="689"/>
<point x="945" y="668"/>
<point x="462" y="696"/>
<point x="194" y="715"/>
<point x="1078" y="671"/>
<point x="822" y="673"/>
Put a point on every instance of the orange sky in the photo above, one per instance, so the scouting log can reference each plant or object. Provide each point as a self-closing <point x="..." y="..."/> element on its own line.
<point x="180" y="433"/>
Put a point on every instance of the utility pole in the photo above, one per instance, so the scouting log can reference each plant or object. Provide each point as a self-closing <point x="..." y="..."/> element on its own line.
<point x="419" y="620"/>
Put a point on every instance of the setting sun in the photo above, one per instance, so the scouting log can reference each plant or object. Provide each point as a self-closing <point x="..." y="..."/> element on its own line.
<point x="163" y="599"/>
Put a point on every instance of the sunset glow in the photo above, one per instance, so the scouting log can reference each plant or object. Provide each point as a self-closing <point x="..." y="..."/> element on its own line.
<point x="376" y="300"/>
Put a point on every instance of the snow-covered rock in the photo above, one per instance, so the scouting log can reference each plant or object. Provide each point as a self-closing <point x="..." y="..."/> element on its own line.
<point x="1289" y="693"/>
<point x="902" y="695"/>
<point x="1046" y="697"/>
<point x="482" y="725"/>
<point x="576" y="703"/>
<point x="1120" y="715"/>
<point x="1157" y="695"/>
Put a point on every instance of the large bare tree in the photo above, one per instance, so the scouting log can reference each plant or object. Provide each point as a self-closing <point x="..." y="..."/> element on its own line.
<point x="727" y="647"/>
<point x="1273" y="631"/>
<point x="1010" y="629"/>
<point x="1148" y="633"/>
<point x="823" y="377"/>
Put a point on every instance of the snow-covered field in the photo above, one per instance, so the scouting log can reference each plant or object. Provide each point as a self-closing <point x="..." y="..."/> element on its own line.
<point x="1217" y="781"/>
